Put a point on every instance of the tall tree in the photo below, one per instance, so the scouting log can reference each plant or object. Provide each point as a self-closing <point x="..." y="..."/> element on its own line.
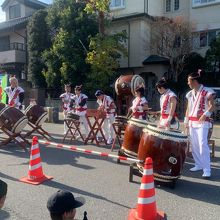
<point x="70" y="28"/>
<point x="105" y="49"/>
<point x="171" y="38"/>
<point x="38" y="40"/>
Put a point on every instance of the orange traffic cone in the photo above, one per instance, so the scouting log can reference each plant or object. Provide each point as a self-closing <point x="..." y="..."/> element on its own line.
<point x="146" y="206"/>
<point x="35" y="173"/>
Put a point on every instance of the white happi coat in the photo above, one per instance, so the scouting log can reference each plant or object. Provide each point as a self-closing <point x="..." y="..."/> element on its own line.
<point x="13" y="96"/>
<point x="106" y="102"/>
<point x="110" y="116"/>
<point x="80" y="110"/>
<point x="66" y="99"/>
<point x="198" y="105"/>
<point x="165" y="106"/>
<point x="137" y="107"/>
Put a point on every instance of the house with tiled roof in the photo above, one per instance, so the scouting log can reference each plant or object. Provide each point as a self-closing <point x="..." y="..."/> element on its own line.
<point x="13" y="36"/>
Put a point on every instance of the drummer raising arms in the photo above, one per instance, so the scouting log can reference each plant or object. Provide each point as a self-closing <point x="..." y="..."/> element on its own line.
<point x="139" y="104"/>
<point x="106" y="104"/>
<point x="80" y="100"/>
<point x="66" y="100"/>
<point x="199" y="109"/>
<point x="168" y="102"/>
<point x="15" y="94"/>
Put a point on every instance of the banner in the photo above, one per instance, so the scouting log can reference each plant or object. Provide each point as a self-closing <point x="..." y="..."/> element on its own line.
<point x="3" y="84"/>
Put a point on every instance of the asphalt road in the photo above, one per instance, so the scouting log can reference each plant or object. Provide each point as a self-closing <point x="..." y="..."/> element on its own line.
<point x="103" y="183"/>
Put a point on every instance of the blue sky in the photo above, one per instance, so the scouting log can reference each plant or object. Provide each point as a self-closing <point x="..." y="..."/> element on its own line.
<point x="2" y="14"/>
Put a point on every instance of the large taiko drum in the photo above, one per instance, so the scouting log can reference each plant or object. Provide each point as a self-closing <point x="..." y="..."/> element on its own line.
<point x="126" y="85"/>
<point x="36" y="114"/>
<point x="132" y="137"/>
<point x="167" y="149"/>
<point x="12" y="119"/>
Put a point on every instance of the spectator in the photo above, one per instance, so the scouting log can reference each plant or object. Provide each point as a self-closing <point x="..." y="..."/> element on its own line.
<point x="62" y="205"/>
<point x="3" y="192"/>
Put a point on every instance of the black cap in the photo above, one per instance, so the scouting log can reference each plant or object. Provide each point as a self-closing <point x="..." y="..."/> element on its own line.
<point x="3" y="188"/>
<point x="99" y="92"/>
<point x="63" y="201"/>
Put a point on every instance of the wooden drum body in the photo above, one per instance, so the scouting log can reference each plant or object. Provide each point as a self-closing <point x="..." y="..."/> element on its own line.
<point x="126" y="85"/>
<point x="12" y="119"/>
<point x="132" y="137"/>
<point x="36" y="114"/>
<point x="167" y="149"/>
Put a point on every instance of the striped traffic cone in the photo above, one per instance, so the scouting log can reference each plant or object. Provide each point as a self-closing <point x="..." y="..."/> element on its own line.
<point x="146" y="207"/>
<point x="35" y="173"/>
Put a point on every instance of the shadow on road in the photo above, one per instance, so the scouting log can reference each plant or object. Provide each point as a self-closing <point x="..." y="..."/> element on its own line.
<point x="58" y="185"/>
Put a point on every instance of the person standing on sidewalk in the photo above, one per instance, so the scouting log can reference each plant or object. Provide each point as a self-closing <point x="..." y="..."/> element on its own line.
<point x="197" y="122"/>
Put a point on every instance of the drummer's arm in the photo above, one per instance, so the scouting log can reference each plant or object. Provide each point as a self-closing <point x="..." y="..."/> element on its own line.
<point x="145" y="107"/>
<point x="172" y="110"/>
<point x="186" y="118"/>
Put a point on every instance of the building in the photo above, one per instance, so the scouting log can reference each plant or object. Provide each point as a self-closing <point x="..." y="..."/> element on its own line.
<point x="135" y="17"/>
<point x="13" y="36"/>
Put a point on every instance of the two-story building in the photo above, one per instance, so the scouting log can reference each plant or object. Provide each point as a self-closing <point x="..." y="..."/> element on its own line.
<point x="13" y="36"/>
<point x="135" y="17"/>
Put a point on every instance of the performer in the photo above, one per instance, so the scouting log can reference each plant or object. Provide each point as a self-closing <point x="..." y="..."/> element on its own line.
<point x="107" y="105"/>
<point x="66" y="101"/>
<point x="197" y="119"/>
<point x="15" y="94"/>
<point x="80" y="100"/>
<point x="168" y="102"/>
<point x="139" y="104"/>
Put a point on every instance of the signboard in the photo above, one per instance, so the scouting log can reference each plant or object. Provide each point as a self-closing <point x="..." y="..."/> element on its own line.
<point x="3" y="84"/>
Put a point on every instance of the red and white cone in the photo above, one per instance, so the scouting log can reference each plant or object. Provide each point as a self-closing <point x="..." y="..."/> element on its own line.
<point x="35" y="172"/>
<point x="146" y="207"/>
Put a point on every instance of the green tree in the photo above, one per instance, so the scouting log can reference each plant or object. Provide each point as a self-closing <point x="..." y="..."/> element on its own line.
<point x="70" y="29"/>
<point x="104" y="49"/>
<point x="213" y="56"/>
<point x="38" y="40"/>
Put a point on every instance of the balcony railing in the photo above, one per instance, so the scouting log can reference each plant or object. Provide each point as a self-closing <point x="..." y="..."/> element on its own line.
<point x="12" y="46"/>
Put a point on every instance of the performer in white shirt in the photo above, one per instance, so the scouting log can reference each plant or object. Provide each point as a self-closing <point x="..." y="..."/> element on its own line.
<point x="168" y="102"/>
<point x="139" y="104"/>
<point x="106" y="104"/>
<point x="66" y="102"/>
<point x="80" y="100"/>
<point x="15" y="94"/>
<point x="197" y="119"/>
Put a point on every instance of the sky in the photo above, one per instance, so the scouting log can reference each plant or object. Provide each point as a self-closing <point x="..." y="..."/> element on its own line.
<point x="2" y="14"/>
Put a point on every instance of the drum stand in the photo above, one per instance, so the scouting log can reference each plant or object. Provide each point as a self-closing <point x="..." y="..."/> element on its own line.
<point x="13" y="136"/>
<point x="38" y="129"/>
<point x="119" y="129"/>
<point x="73" y="126"/>
<point x="134" y="170"/>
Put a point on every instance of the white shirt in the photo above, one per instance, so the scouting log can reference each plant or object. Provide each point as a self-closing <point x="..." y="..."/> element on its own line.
<point x="198" y="105"/>
<point x="106" y="102"/>
<point x="66" y="99"/>
<point x="13" y="96"/>
<point x="80" y="110"/>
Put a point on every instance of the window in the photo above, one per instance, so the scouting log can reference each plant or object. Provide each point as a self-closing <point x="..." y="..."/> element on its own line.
<point x="203" y="2"/>
<point x="117" y="4"/>
<point x="14" y="11"/>
<point x="176" y="5"/>
<point x="203" y="39"/>
<point x="168" y="5"/>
